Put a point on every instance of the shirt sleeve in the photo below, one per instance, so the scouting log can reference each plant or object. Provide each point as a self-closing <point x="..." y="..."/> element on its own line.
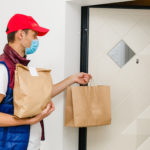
<point x="3" y="79"/>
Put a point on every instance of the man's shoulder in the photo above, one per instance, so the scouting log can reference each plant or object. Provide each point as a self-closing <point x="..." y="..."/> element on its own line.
<point x="2" y="57"/>
<point x="6" y="61"/>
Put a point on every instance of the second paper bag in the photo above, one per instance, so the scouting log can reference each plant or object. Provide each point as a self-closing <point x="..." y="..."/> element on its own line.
<point x="32" y="90"/>
<point x="87" y="106"/>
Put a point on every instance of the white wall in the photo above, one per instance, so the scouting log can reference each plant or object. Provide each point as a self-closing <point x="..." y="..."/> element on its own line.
<point x="72" y="62"/>
<point x="54" y="52"/>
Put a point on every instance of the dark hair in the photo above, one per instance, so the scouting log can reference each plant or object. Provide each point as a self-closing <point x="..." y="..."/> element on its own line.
<point x="11" y="36"/>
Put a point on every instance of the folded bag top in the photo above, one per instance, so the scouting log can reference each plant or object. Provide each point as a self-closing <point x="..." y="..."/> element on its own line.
<point x="32" y="90"/>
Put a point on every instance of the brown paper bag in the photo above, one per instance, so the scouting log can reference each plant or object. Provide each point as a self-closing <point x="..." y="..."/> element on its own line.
<point x="32" y="90"/>
<point x="87" y="106"/>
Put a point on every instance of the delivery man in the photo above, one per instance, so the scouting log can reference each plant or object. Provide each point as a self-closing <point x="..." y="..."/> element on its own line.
<point x="24" y="134"/>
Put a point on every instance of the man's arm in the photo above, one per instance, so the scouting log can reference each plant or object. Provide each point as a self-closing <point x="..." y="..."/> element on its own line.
<point x="9" y="120"/>
<point x="81" y="78"/>
<point x="59" y="87"/>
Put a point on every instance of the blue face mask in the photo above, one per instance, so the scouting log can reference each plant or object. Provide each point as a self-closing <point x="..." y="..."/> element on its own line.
<point x="33" y="48"/>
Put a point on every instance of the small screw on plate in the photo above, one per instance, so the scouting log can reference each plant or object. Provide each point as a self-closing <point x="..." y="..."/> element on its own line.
<point x="137" y="61"/>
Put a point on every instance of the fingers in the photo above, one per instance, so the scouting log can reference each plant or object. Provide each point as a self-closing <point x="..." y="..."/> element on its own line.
<point x="87" y="77"/>
<point x="46" y="110"/>
<point x="51" y="108"/>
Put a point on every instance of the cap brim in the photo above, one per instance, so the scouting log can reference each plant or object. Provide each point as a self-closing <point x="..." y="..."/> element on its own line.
<point x="41" y="31"/>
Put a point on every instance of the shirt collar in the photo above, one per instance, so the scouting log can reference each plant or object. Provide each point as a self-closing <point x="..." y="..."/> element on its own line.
<point x="14" y="56"/>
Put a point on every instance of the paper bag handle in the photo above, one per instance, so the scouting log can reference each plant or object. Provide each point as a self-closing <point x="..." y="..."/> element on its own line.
<point x="91" y="82"/>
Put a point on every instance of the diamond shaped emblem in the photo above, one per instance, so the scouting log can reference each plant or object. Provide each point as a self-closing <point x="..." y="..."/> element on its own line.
<point x="121" y="53"/>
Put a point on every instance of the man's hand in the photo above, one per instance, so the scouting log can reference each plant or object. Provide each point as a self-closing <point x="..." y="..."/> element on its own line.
<point x="81" y="78"/>
<point x="1" y="97"/>
<point x="46" y="112"/>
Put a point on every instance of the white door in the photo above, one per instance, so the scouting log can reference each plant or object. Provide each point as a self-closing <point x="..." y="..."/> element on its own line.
<point x="96" y="2"/>
<point x="114" y="34"/>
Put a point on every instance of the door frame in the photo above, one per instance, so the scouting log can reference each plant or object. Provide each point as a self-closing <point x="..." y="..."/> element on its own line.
<point x="84" y="43"/>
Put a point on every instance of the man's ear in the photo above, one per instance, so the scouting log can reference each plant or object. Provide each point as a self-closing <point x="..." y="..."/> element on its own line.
<point x="20" y="34"/>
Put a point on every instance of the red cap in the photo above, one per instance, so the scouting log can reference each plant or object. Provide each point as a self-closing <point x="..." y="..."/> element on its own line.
<point x="20" y="21"/>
